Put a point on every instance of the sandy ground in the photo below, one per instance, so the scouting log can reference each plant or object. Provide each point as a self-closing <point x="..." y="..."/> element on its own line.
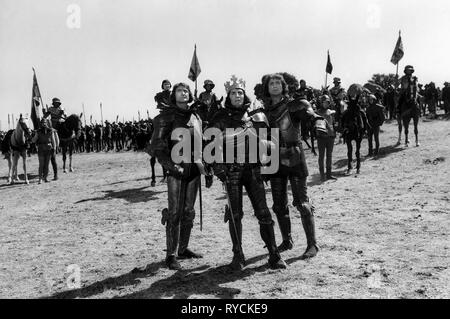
<point x="383" y="234"/>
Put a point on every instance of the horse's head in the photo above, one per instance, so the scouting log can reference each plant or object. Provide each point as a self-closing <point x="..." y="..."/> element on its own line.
<point x="23" y="125"/>
<point x="73" y="123"/>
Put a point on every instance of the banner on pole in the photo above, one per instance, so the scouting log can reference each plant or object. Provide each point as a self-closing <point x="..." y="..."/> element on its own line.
<point x="35" y="98"/>
<point x="329" y="68"/>
<point x="195" y="69"/>
<point x="398" y="53"/>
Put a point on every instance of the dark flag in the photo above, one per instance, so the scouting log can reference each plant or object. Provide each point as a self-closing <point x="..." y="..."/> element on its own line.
<point x="329" y="68"/>
<point x="91" y="119"/>
<point x="9" y="122"/>
<point x="398" y="51"/>
<point x="35" y="98"/>
<point x="195" y="69"/>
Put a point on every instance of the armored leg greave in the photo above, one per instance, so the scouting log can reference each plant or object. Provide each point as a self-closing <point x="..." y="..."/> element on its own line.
<point x="281" y="210"/>
<point x="268" y="236"/>
<point x="306" y="209"/>
<point x="187" y="219"/>
<point x="176" y="195"/>
<point x="307" y="214"/>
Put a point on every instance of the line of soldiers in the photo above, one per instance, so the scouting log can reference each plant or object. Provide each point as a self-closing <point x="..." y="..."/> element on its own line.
<point x="180" y="109"/>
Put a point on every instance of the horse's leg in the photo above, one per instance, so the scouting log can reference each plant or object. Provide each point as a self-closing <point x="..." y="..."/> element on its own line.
<point x="10" y="180"/>
<point x="406" y="120"/>
<point x="358" y="155"/>
<point x="152" y="165"/>
<point x="64" y="155"/>
<point x="14" y="168"/>
<point x="24" y="160"/>
<point x="416" y="131"/>
<point x="349" y="154"/>
<point x="70" y="158"/>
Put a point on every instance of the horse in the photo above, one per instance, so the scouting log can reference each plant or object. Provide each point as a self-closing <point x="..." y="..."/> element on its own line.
<point x="354" y="124"/>
<point x="15" y="145"/>
<point x="68" y="132"/>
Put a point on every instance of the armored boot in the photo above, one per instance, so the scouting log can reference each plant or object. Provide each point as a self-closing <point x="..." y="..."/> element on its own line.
<point x="183" y="251"/>
<point x="307" y="215"/>
<point x="238" y="261"/>
<point x="285" y="227"/>
<point x="172" y="238"/>
<point x="268" y="236"/>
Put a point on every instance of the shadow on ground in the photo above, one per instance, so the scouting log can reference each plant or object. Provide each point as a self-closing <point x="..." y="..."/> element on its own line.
<point x="383" y="152"/>
<point x="133" y="195"/>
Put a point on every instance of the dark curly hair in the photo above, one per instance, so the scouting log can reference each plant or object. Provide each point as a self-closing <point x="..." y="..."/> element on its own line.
<point x="275" y="76"/>
<point x="175" y="87"/>
<point x="246" y="103"/>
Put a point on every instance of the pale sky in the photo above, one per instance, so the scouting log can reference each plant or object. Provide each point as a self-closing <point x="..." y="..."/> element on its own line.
<point x="123" y="49"/>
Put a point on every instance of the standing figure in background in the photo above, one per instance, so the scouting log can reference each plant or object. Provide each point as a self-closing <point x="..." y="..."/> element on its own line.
<point x="407" y="104"/>
<point x="46" y="145"/>
<point x="326" y="137"/>
<point x="375" y="118"/>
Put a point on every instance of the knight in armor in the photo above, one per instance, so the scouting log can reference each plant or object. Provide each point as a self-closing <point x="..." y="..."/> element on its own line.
<point x="407" y="104"/>
<point x="183" y="180"/>
<point x="162" y="98"/>
<point x="338" y="94"/>
<point x="243" y="173"/>
<point x="210" y="102"/>
<point x="57" y="114"/>
<point x="304" y="91"/>
<point x="354" y="125"/>
<point x="286" y="113"/>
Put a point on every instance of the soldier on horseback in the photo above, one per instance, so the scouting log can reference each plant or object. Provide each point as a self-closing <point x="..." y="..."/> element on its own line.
<point x="338" y="95"/>
<point x="210" y="102"/>
<point x="407" y="105"/>
<point x="57" y="114"/>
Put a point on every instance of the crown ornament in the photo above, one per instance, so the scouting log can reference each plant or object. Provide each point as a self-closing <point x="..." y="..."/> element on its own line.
<point x="234" y="83"/>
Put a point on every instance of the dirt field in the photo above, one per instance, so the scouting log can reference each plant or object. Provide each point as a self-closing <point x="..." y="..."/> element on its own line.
<point x="383" y="234"/>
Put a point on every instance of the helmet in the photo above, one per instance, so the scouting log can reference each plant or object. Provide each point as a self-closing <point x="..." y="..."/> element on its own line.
<point x="409" y="67"/>
<point x="208" y="82"/>
<point x="55" y="100"/>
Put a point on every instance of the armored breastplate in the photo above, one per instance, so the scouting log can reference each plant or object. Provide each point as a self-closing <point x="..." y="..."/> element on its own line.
<point x="291" y="152"/>
<point x="289" y="130"/>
